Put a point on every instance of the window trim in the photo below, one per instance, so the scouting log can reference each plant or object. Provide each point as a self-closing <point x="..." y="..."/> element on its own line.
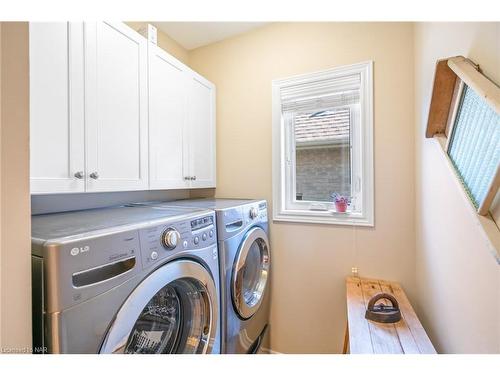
<point x="280" y="212"/>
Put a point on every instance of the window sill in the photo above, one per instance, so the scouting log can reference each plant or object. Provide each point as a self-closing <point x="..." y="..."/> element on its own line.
<point x="323" y="217"/>
<point x="488" y="224"/>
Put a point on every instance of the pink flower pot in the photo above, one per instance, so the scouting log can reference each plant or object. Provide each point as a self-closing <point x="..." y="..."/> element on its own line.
<point x="341" y="206"/>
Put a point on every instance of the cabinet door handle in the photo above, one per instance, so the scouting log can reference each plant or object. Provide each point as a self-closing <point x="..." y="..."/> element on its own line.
<point x="79" y="175"/>
<point x="94" y="175"/>
<point x="187" y="178"/>
<point x="193" y="178"/>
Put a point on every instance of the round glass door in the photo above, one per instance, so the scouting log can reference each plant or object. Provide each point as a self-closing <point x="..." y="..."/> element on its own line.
<point x="250" y="273"/>
<point x="174" y="310"/>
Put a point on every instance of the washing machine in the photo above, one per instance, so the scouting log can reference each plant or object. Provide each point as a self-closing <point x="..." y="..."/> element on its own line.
<point x="126" y="280"/>
<point x="245" y="261"/>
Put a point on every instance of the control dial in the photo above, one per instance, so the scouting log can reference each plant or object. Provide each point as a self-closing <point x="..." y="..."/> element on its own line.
<point x="253" y="213"/>
<point x="170" y="238"/>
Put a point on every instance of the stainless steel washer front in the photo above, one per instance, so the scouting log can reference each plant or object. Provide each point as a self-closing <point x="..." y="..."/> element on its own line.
<point x="174" y="310"/>
<point x="250" y="273"/>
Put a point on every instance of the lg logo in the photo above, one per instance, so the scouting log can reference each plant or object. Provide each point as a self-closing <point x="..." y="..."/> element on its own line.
<point x="77" y="250"/>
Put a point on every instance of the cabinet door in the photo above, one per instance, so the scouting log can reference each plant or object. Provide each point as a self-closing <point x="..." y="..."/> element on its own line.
<point x="167" y="121"/>
<point x="201" y="119"/>
<point x="57" y="158"/>
<point x="116" y="107"/>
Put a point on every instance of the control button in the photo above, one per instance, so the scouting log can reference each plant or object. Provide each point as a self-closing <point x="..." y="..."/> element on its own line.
<point x="211" y="233"/>
<point x="204" y="236"/>
<point x="170" y="238"/>
<point x="154" y="255"/>
<point x="185" y="244"/>
<point x="253" y="213"/>
<point x="196" y="240"/>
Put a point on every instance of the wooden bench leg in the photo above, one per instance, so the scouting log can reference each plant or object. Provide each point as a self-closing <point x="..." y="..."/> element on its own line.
<point x="346" y="339"/>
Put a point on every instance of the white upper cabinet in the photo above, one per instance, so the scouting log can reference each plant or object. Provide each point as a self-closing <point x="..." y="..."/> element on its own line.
<point x="57" y="154"/>
<point x="181" y="125"/>
<point x="110" y="113"/>
<point x="201" y="125"/>
<point x="167" y="121"/>
<point x="116" y="98"/>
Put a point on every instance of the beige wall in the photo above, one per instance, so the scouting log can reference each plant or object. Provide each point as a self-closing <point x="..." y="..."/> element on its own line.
<point x="15" y="244"/>
<point x="458" y="279"/>
<point x="165" y="42"/>
<point x="310" y="262"/>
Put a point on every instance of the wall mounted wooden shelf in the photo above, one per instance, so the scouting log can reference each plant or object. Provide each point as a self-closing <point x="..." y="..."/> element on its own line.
<point x="442" y="94"/>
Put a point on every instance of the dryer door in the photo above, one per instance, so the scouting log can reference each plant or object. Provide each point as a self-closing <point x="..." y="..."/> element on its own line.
<point x="250" y="272"/>
<point x="174" y="310"/>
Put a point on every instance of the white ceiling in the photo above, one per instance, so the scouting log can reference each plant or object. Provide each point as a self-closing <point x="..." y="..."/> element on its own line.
<point x="192" y="35"/>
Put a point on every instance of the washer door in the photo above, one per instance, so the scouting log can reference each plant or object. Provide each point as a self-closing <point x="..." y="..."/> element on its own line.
<point x="250" y="272"/>
<point x="174" y="310"/>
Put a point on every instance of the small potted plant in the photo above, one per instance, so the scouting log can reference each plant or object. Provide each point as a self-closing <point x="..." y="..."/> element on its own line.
<point x="341" y="202"/>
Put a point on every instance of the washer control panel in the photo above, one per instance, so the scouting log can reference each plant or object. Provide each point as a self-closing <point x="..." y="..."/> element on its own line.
<point x="163" y="241"/>
<point x="202" y="223"/>
<point x="257" y="212"/>
<point x="253" y="213"/>
<point x="232" y="220"/>
<point x="170" y="238"/>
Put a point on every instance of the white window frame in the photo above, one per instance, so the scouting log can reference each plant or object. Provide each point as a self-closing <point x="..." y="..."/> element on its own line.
<point x="287" y="209"/>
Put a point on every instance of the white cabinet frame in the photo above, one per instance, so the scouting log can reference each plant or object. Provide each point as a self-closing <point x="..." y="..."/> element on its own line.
<point x="95" y="119"/>
<point x="202" y="140"/>
<point x="47" y="108"/>
<point x="192" y="130"/>
<point x="168" y="107"/>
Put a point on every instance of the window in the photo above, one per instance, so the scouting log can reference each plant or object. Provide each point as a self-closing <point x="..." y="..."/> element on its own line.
<point x="322" y="153"/>
<point x="474" y="146"/>
<point x="464" y="116"/>
<point x="464" y="119"/>
<point x="322" y="145"/>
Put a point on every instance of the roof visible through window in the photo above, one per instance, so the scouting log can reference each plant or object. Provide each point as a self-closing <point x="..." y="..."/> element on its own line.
<point x="322" y="127"/>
